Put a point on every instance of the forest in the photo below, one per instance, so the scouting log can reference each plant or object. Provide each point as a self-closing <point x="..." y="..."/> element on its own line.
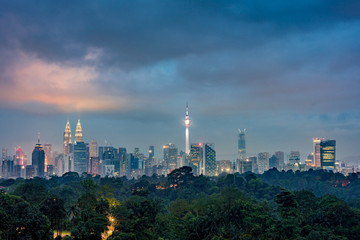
<point x="313" y="205"/>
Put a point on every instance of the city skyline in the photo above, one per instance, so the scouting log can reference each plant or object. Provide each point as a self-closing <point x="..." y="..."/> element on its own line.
<point x="287" y="72"/>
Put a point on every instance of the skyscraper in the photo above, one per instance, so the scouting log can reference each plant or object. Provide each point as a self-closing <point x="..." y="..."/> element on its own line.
<point x="20" y="157"/>
<point x="170" y="156"/>
<point x="241" y="151"/>
<point x="67" y="138"/>
<point x="187" y="123"/>
<point x="327" y="154"/>
<point x="316" y="145"/>
<point x="195" y="158"/>
<point x="93" y="149"/>
<point x="80" y="157"/>
<point x="48" y="157"/>
<point x="38" y="159"/>
<point x="209" y="166"/>
<point x="78" y="132"/>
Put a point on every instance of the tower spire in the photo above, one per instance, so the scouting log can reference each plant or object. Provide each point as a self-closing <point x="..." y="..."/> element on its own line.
<point x="38" y="135"/>
<point x="78" y="133"/>
<point x="187" y="123"/>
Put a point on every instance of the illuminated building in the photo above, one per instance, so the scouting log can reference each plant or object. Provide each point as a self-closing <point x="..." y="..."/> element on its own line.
<point x="67" y="138"/>
<point x="95" y="165"/>
<point x="78" y="133"/>
<point x="195" y="158"/>
<point x="48" y="160"/>
<point x="20" y="157"/>
<point x="80" y="157"/>
<point x="309" y="160"/>
<point x="263" y="162"/>
<point x="327" y="154"/>
<point x="241" y="151"/>
<point x="247" y="165"/>
<point x="93" y="149"/>
<point x="225" y="166"/>
<point x="208" y="163"/>
<point x="122" y="159"/>
<point x="187" y="123"/>
<point x="38" y="159"/>
<point x="149" y="162"/>
<point x="316" y="145"/>
<point x="170" y="156"/>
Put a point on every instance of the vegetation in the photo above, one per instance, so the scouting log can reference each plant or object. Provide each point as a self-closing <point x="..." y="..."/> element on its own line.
<point x="275" y="205"/>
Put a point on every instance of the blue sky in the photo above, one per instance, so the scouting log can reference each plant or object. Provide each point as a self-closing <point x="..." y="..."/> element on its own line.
<point x="287" y="71"/>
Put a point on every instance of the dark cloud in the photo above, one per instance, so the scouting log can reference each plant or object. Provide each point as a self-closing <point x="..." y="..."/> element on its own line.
<point x="269" y="66"/>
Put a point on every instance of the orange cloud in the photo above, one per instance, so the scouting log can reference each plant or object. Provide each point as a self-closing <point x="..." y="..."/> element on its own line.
<point x="66" y="88"/>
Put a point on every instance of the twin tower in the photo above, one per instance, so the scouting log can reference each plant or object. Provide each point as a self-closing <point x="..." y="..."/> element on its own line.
<point x="67" y="136"/>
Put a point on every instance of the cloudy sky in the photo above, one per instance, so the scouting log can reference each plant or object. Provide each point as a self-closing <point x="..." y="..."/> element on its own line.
<point x="287" y="71"/>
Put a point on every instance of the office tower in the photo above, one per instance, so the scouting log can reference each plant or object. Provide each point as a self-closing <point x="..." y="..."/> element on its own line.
<point x="208" y="163"/>
<point x="294" y="158"/>
<point x="280" y="156"/>
<point x="195" y="158"/>
<point x="78" y="132"/>
<point x="93" y="149"/>
<point x="170" y="156"/>
<point x="316" y="145"/>
<point x="327" y="154"/>
<point x="225" y="166"/>
<point x="263" y="162"/>
<point x="80" y="157"/>
<point x="273" y="162"/>
<point x="48" y="157"/>
<point x="38" y="159"/>
<point x="20" y="157"/>
<point x="241" y="151"/>
<point x="67" y="138"/>
<point x="187" y="123"/>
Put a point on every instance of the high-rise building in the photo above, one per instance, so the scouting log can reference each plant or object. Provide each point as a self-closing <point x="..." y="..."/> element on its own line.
<point x="280" y="156"/>
<point x="241" y="151"/>
<point x="38" y="159"/>
<point x="78" y="133"/>
<point x="93" y="149"/>
<point x="209" y="166"/>
<point x="80" y="157"/>
<point x="263" y="162"/>
<point x="48" y="156"/>
<point x="67" y="138"/>
<point x="253" y="160"/>
<point x="187" y="123"/>
<point x="20" y="157"/>
<point x="316" y="145"/>
<point x="170" y="156"/>
<point x="327" y="154"/>
<point x="195" y="158"/>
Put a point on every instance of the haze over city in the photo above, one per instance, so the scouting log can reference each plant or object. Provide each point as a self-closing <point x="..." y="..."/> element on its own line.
<point x="287" y="72"/>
